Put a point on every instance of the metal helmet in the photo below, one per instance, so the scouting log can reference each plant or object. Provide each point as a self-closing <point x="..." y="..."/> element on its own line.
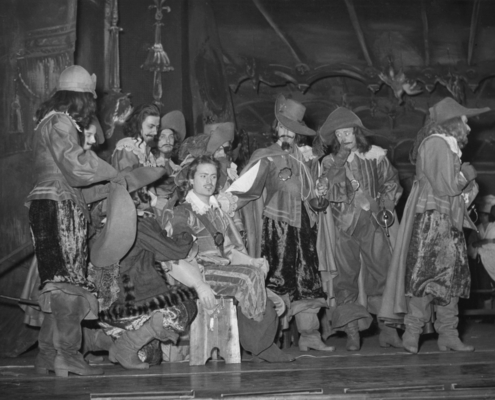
<point x="76" y="79"/>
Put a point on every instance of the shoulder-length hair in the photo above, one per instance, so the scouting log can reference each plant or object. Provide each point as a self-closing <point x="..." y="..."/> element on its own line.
<point x="81" y="106"/>
<point x="133" y="125"/>
<point x="175" y="147"/>
<point x="362" y="142"/>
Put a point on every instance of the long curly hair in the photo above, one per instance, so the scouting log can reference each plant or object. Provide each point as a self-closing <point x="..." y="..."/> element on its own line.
<point x="81" y="106"/>
<point x="175" y="149"/>
<point x="333" y="146"/>
<point x="454" y="127"/>
<point x="133" y="125"/>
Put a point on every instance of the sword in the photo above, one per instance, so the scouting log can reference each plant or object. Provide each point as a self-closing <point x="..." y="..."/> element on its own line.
<point x="26" y="302"/>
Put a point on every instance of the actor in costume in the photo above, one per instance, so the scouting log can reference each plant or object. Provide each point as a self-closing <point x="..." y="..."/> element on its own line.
<point x="281" y="225"/>
<point x="430" y="264"/>
<point x="58" y="217"/>
<point x="362" y="182"/>
<point x="146" y="307"/>
<point x="216" y="142"/>
<point x="228" y="269"/>
<point x="141" y="129"/>
<point x="173" y="132"/>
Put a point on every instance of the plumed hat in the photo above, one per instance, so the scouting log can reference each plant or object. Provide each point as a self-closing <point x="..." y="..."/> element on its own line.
<point x="174" y="120"/>
<point x="448" y="108"/>
<point x="290" y="113"/>
<point x="339" y="119"/>
<point x="76" y="79"/>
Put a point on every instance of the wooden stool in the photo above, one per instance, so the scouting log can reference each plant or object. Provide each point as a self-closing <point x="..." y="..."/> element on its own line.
<point x="219" y="330"/>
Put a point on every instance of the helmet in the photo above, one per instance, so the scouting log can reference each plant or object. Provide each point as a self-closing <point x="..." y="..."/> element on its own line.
<point x="76" y="79"/>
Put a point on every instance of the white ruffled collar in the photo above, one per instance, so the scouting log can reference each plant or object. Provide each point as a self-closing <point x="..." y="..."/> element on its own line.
<point x="197" y="204"/>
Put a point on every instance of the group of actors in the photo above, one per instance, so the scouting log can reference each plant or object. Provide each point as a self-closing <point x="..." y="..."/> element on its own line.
<point x="138" y="244"/>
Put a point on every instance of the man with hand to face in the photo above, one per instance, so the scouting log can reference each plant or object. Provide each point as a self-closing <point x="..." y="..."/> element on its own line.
<point x="362" y="183"/>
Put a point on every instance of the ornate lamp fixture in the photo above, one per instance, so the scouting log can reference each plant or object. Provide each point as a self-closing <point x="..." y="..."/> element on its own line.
<point x="157" y="60"/>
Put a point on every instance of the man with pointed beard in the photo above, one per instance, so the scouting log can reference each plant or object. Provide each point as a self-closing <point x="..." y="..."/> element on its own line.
<point x="281" y="225"/>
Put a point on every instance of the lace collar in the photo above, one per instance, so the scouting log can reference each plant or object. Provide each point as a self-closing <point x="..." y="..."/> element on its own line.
<point x="53" y="112"/>
<point x="198" y="206"/>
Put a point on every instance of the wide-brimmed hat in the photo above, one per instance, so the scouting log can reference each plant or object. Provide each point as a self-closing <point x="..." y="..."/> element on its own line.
<point x="76" y="79"/>
<point x="220" y="133"/>
<point x="340" y="118"/>
<point x="119" y="233"/>
<point x="174" y="120"/>
<point x="448" y="108"/>
<point x="290" y="113"/>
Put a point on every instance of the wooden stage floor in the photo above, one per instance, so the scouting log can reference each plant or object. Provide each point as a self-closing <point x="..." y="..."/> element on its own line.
<point x="371" y="373"/>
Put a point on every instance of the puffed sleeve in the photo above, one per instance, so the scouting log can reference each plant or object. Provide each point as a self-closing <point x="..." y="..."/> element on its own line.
<point x="80" y="168"/>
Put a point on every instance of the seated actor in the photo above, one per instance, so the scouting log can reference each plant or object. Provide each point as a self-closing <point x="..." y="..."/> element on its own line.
<point x="146" y="306"/>
<point x="227" y="268"/>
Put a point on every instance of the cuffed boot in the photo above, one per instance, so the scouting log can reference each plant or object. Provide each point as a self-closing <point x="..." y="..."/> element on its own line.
<point x="307" y="325"/>
<point x="47" y="353"/>
<point x="388" y="336"/>
<point x="446" y="326"/>
<point x="414" y="322"/>
<point x="353" y="339"/>
<point x="68" y="312"/>
<point x="125" y="349"/>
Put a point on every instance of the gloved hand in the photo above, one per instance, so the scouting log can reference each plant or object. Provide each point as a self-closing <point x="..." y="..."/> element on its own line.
<point x="341" y="156"/>
<point x="468" y="171"/>
<point x="206" y="295"/>
<point x="277" y="301"/>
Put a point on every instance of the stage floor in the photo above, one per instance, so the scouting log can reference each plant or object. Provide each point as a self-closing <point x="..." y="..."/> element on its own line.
<point x="371" y="373"/>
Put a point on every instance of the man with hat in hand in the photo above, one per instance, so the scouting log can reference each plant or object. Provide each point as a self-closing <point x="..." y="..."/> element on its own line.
<point x="283" y="229"/>
<point x="429" y="264"/>
<point x="362" y="183"/>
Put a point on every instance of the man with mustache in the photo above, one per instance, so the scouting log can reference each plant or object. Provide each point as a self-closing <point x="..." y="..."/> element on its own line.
<point x="281" y="225"/>
<point x="362" y="183"/>
<point x="141" y="129"/>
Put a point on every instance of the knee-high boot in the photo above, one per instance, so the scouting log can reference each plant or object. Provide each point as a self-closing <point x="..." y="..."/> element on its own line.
<point x="68" y="312"/>
<point x="95" y="340"/>
<point x="125" y="348"/>
<point x="307" y="325"/>
<point x="47" y="353"/>
<point x="446" y="326"/>
<point x="415" y="320"/>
